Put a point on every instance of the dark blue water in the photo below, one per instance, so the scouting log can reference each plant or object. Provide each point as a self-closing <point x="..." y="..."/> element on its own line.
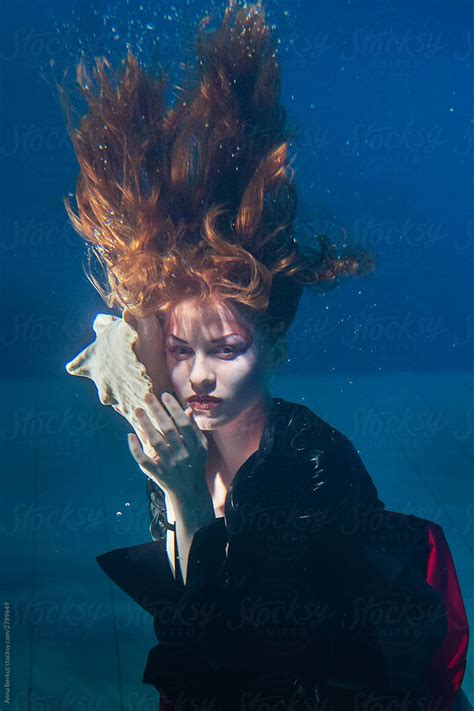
<point x="381" y="93"/>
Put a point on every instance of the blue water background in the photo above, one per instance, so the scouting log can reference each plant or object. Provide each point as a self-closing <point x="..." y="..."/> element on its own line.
<point x="381" y="94"/>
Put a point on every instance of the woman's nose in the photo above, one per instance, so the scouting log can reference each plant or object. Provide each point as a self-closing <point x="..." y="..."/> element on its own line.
<point x="201" y="376"/>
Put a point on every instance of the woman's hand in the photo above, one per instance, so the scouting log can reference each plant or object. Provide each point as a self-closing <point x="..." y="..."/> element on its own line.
<point x="176" y="447"/>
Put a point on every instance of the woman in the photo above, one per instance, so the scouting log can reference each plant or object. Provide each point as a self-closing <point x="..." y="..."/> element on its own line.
<point x="260" y="590"/>
<point x="272" y="588"/>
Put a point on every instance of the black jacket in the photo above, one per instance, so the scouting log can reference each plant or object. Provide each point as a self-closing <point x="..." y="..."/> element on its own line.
<point x="281" y="595"/>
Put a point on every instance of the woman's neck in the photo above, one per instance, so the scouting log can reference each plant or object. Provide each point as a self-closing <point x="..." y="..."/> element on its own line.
<point x="231" y="445"/>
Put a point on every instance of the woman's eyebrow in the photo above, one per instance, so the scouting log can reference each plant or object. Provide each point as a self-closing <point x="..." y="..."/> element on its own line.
<point x="213" y="340"/>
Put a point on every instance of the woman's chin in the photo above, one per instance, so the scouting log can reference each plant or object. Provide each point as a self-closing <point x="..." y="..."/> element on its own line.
<point x="206" y="422"/>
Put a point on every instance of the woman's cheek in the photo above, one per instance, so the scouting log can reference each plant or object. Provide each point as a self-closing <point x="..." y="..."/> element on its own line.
<point x="174" y="374"/>
<point x="246" y="371"/>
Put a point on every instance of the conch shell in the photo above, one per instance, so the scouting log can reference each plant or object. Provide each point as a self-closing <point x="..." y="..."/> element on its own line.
<point x="122" y="381"/>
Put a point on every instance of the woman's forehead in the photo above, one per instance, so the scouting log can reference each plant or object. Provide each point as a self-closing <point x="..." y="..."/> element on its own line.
<point x="207" y="316"/>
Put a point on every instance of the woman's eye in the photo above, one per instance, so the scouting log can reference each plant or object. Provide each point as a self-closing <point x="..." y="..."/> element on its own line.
<point x="182" y="351"/>
<point x="175" y="350"/>
<point x="229" y="350"/>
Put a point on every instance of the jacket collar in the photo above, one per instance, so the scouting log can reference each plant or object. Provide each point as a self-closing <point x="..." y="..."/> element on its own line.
<point x="273" y="437"/>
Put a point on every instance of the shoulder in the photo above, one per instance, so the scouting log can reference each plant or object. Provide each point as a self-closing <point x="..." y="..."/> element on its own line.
<point x="334" y="466"/>
<point x="303" y="425"/>
<point x="299" y="429"/>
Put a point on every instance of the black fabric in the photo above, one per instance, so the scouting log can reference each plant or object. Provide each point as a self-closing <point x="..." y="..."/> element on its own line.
<point x="143" y="572"/>
<point x="292" y="584"/>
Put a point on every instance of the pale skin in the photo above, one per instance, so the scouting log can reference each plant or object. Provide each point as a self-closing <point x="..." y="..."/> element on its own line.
<point x="199" y="452"/>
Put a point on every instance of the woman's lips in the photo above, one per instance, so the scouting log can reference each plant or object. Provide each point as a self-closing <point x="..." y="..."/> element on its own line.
<point x="204" y="405"/>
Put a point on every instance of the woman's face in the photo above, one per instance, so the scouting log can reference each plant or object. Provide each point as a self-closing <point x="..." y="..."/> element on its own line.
<point x="213" y="350"/>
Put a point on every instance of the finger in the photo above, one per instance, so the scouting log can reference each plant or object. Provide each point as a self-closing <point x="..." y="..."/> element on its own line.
<point x="143" y="440"/>
<point x="184" y="423"/>
<point x="199" y="433"/>
<point x="164" y="444"/>
<point x="139" y="453"/>
<point x="147" y="465"/>
<point x="170" y="416"/>
<point x="183" y="418"/>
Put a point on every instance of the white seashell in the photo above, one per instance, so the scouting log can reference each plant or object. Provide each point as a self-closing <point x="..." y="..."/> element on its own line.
<point x="122" y="381"/>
